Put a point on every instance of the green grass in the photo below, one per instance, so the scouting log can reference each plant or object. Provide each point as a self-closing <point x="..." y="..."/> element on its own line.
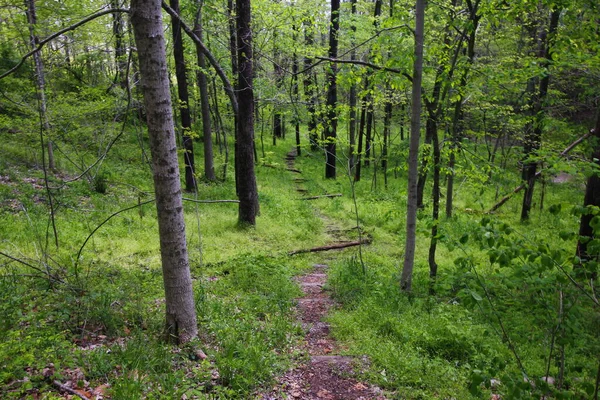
<point x="419" y="346"/>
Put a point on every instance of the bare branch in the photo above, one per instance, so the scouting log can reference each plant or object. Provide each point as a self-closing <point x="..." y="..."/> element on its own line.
<point x="62" y="31"/>
<point x="213" y="61"/>
<point x="367" y="64"/>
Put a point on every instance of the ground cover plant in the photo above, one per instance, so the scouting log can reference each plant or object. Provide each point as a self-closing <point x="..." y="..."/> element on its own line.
<point x="172" y="187"/>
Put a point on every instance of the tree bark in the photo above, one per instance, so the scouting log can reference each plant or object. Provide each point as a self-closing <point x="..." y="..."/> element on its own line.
<point x="146" y="19"/>
<point x="120" y="50"/>
<point x="352" y="100"/>
<point x="209" y="168"/>
<point x="309" y="83"/>
<point x="40" y="78"/>
<point x="592" y="198"/>
<point x="456" y="126"/>
<point x="415" y="126"/>
<point x="184" y="104"/>
<point x="533" y="137"/>
<point x="330" y="122"/>
<point x="361" y="130"/>
<point x="244" y="149"/>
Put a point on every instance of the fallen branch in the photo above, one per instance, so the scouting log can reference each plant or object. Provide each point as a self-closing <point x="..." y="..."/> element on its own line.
<point x="210" y="201"/>
<point x="67" y="389"/>
<point x="335" y="246"/>
<point x="294" y="170"/>
<point x="538" y="174"/>
<point x="321" y="197"/>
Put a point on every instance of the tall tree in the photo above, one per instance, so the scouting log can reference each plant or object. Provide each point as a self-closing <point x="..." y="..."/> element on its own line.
<point x="309" y="83"/>
<point x="120" y="49"/>
<point x="146" y="19"/>
<point x="209" y="168"/>
<point x="592" y="198"/>
<point x="184" y="103"/>
<point x="415" y="127"/>
<point x="40" y="77"/>
<point x="244" y="146"/>
<point x="330" y="122"/>
<point x="455" y="128"/>
<point x="352" y="96"/>
<point x="533" y="134"/>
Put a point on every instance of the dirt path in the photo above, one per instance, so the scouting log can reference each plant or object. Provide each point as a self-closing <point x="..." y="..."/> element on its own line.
<point x="324" y="374"/>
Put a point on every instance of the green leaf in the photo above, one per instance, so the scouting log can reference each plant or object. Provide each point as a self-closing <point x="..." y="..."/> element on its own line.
<point x="476" y="296"/>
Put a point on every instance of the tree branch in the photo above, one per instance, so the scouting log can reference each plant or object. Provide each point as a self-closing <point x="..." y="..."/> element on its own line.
<point x="104" y="222"/>
<point x="367" y="64"/>
<point x="213" y="61"/>
<point x="210" y="201"/>
<point x="62" y="31"/>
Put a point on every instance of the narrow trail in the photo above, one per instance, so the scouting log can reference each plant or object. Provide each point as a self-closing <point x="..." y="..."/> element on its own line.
<point x="324" y="374"/>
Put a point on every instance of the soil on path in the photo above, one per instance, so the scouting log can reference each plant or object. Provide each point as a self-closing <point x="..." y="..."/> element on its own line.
<point x="324" y="374"/>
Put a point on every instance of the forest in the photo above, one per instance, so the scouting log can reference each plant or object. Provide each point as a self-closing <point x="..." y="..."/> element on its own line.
<point x="299" y="199"/>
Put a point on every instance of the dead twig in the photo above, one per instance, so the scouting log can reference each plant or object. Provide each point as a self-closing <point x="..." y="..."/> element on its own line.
<point x="69" y="390"/>
<point x="321" y="197"/>
<point x="335" y="246"/>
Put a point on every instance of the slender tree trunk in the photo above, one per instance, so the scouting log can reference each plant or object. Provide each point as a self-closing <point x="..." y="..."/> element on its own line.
<point x="244" y="149"/>
<point x="330" y="122"/>
<point x="309" y="83"/>
<point x="361" y="131"/>
<point x="352" y="101"/>
<point x="387" y="118"/>
<point x="184" y="104"/>
<point x="209" y="168"/>
<point x="221" y="128"/>
<point x="369" y="131"/>
<point x="433" y="266"/>
<point x="533" y="138"/>
<point x="40" y="78"/>
<point x="415" y="127"/>
<point x="456" y="126"/>
<point x="146" y="18"/>
<point x="386" y="138"/>
<point x="120" y="50"/>
<point x="296" y="94"/>
<point x="278" y="71"/>
<point x="592" y="198"/>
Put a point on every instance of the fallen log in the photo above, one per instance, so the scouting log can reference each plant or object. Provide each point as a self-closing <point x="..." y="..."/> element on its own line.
<point x="335" y="246"/>
<point x="294" y="170"/>
<point x="210" y="201"/>
<point x="537" y="174"/>
<point x="322" y="196"/>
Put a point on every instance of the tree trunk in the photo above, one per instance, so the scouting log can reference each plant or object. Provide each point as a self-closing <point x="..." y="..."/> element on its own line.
<point x="369" y="130"/>
<point x="435" y="194"/>
<point x="309" y="83"/>
<point x="120" y="50"/>
<point x="386" y="138"/>
<point x="330" y="122"/>
<point x="244" y="149"/>
<point x="533" y="137"/>
<point x="592" y="198"/>
<point x="39" y="77"/>
<point x="352" y="100"/>
<point x="184" y="104"/>
<point x="456" y="127"/>
<point x="361" y="131"/>
<point x="209" y="168"/>
<point x="146" y="18"/>
<point x="415" y="126"/>
<point x="296" y="94"/>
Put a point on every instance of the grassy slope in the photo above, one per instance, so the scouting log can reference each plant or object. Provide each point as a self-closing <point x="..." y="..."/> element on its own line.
<point x="420" y="346"/>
